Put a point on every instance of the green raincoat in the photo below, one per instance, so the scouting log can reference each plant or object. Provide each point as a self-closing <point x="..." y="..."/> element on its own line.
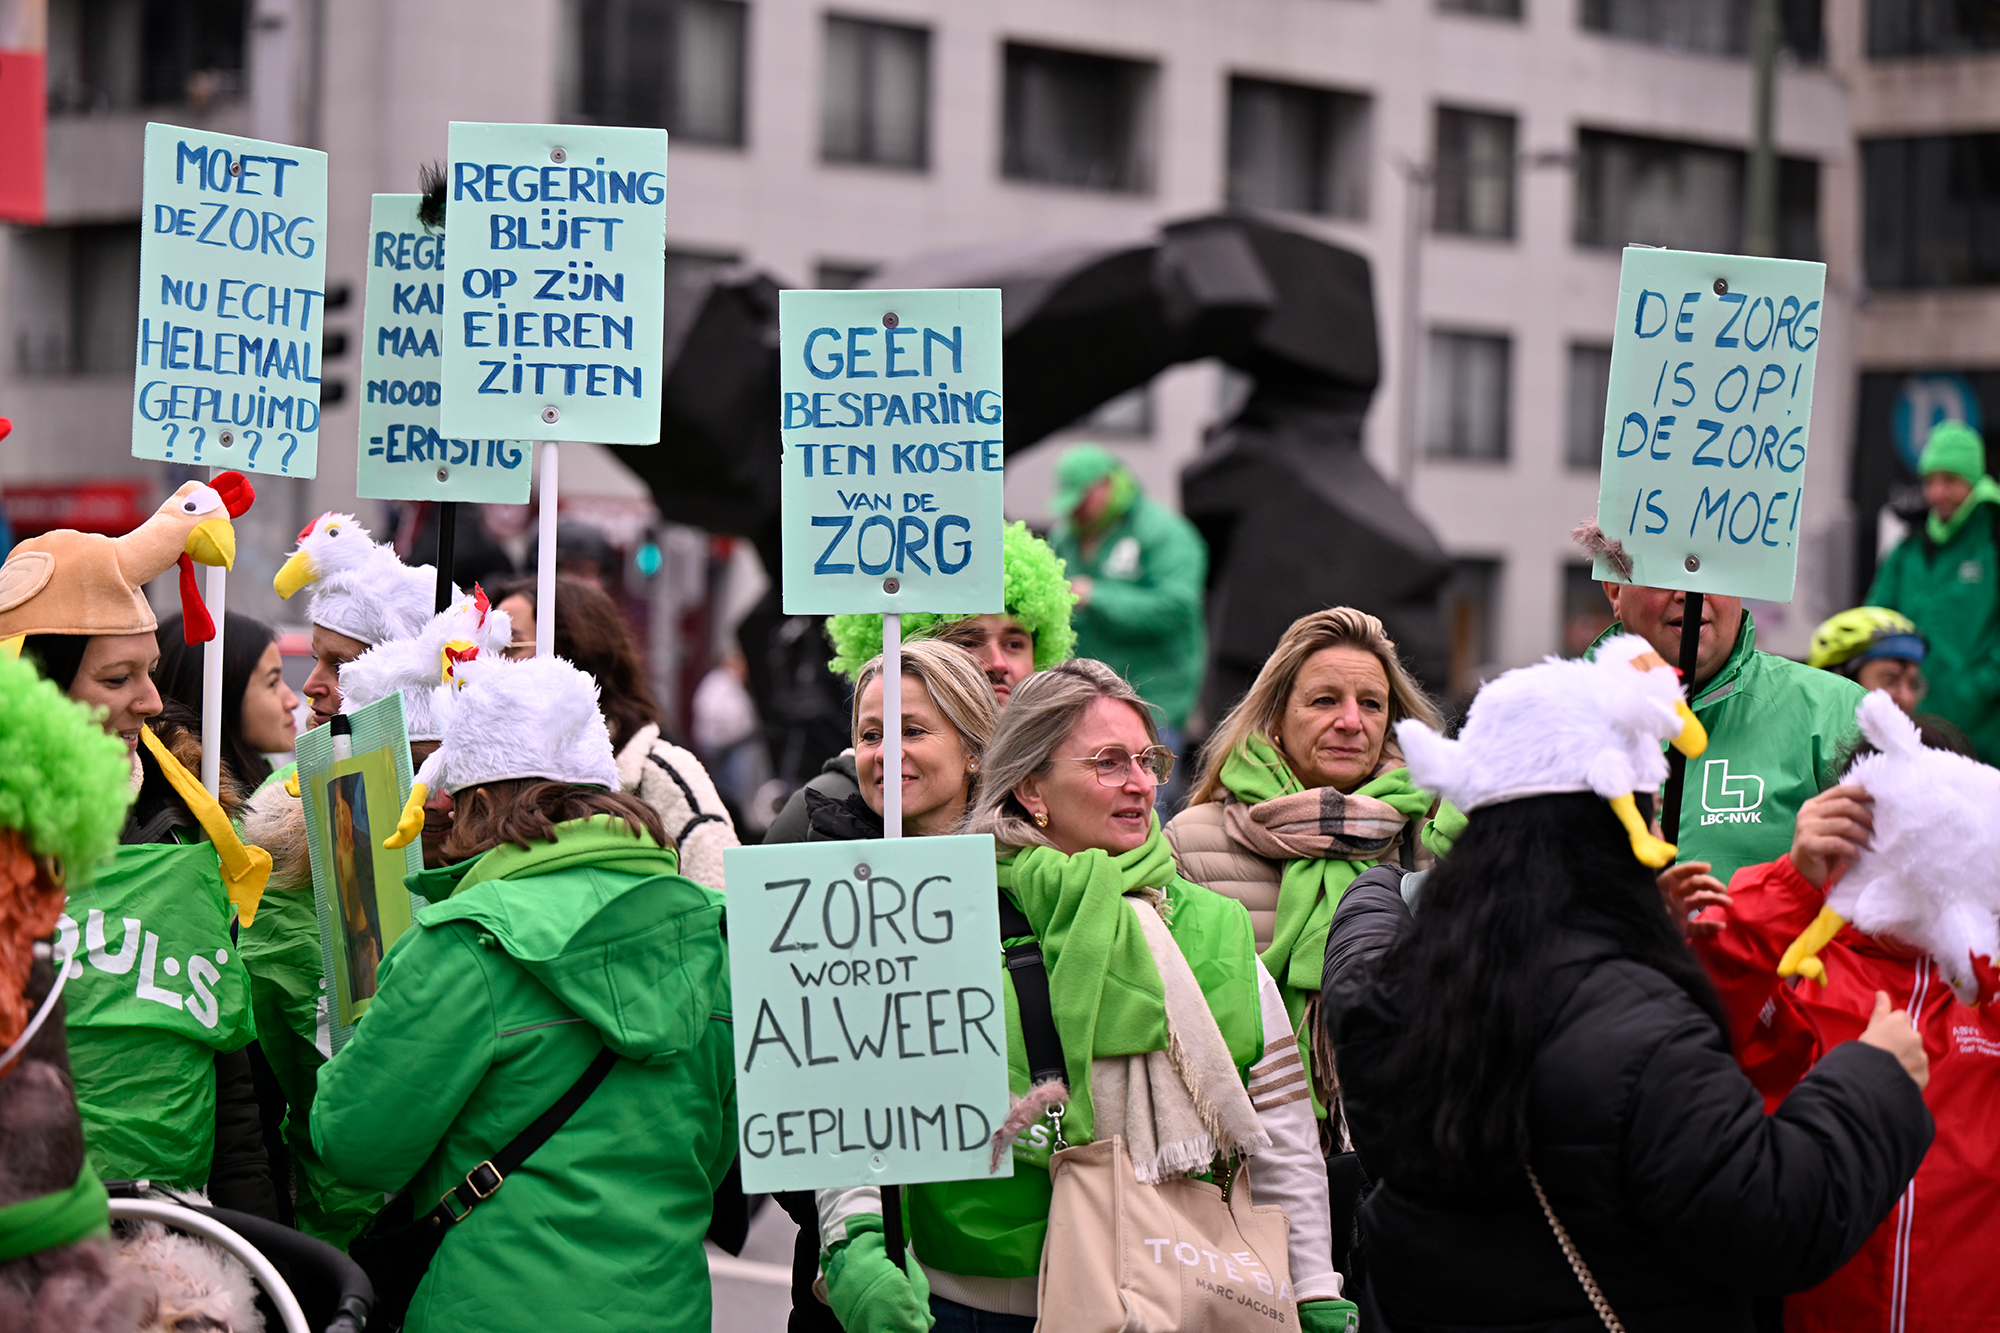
<point x="526" y="963"/>
<point x="157" y="988"/>
<point x="1947" y="579"/>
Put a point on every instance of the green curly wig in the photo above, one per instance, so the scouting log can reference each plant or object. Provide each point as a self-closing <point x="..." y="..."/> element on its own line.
<point x="64" y="782"/>
<point x="1037" y="595"/>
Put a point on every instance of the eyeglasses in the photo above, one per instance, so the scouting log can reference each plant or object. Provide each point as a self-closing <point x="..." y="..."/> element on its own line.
<point x="1113" y="762"/>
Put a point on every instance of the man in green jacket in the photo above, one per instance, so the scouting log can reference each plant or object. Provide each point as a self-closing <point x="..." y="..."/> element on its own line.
<point x="1777" y="729"/>
<point x="1944" y="578"/>
<point x="1139" y="571"/>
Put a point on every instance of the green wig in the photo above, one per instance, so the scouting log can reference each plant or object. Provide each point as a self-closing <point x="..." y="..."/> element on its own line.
<point x="64" y="782"/>
<point x="1037" y="595"/>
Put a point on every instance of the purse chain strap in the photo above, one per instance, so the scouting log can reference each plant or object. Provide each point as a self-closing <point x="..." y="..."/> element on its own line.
<point x="1576" y="1263"/>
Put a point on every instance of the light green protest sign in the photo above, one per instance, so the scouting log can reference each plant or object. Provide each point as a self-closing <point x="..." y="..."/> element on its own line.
<point x="1707" y="420"/>
<point x="894" y="468"/>
<point x="871" y="1027"/>
<point x="232" y="277"/>
<point x="404" y="453"/>
<point x="555" y="286"/>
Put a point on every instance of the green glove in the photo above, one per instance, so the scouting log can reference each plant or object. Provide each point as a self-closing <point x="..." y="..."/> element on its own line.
<point x="1329" y="1317"/>
<point x="868" y="1295"/>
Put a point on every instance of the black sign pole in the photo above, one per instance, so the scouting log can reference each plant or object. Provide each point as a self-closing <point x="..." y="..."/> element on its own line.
<point x="1670" y="817"/>
<point x="447" y="549"/>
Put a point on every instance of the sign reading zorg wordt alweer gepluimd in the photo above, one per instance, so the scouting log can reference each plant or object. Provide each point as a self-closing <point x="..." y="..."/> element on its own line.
<point x="405" y="454"/>
<point x="555" y="282"/>
<point x="892" y="483"/>
<point x="232" y="277"/>
<point x="1707" y="420"/>
<point x="871" y="1027"/>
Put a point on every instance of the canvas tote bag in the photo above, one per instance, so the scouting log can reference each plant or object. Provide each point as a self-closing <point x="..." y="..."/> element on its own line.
<point x="1183" y="1256"/>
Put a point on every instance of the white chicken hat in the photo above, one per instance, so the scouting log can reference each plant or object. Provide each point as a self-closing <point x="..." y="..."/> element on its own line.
<point x="360" y="587"/>
<point x="466" y="629"/>
<point x="1565" y="726"/>
<point x="1904" y="885"/>
<point x="498" y="720"/>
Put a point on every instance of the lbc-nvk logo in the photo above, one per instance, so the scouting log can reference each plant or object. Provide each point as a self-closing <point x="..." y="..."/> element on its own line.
<point x="1730" y="798"/>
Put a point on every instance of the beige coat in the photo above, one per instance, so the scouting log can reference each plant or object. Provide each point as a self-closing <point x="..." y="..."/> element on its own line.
<point x="1208" y="856"/>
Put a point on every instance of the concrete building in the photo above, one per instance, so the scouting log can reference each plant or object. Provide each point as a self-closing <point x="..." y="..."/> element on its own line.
<point x="1488" y="156"/>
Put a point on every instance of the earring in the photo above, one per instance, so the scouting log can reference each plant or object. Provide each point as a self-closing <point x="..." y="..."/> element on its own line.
<point x="972" y="766"/>
<point x="1041" y="819"/>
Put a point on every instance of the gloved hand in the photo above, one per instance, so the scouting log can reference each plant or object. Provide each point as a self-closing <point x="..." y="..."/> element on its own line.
<point x="867" y="1293"/>
<point x="1328" y="1317"/>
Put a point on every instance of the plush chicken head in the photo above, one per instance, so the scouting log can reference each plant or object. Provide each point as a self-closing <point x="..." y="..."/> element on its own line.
<point x="360" y="588"/>
<point x="1565" y="726"/>
<point x="1930" y="875"/>
<point x="467" y="629"/>
<point x="331" y="544"/>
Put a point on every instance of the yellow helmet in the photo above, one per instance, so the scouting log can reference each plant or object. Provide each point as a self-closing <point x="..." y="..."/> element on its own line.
<point x="1854" y="636"/>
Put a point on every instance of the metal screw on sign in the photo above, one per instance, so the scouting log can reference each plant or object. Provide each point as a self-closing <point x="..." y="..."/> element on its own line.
<point x="443" y="473"/>
<point x="236" y="168"/>
<point x="226" y="438"/>
<point x="1722" y="286"/>
<point x="891" y="585"/>
<point x="551" y="415"/>
<point x="1693" y="563"/>
<point x="558" y="155"/>
<point x="889" y="321"/>
<point x="863" y="871"/>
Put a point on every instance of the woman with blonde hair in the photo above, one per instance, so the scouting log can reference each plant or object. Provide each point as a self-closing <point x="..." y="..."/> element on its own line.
<point x="1303" y="788"/>
<point x="1066" y="791"/>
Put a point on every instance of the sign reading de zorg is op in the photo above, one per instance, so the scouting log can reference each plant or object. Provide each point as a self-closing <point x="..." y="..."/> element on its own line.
<point x="232" y="277"/>
<point x="894" y="468"/>
<point x="554" y="283"/>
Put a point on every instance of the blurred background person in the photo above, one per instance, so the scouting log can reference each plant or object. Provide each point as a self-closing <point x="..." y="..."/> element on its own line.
<point x="1877" y="649"/>
<point x="727" y="733"/>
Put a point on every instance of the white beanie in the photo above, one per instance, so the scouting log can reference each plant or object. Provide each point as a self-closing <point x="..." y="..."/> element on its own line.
<point x="416" y="665"/>
<point x="359" y="587"/>
<point x="502" y="720"/>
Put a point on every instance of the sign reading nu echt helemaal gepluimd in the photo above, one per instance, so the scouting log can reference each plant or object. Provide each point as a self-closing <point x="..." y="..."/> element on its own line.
<point x="871" y="1026"/>
<point x="1707" y="420"/>
<point x="232" y="277"/>
<point x="894" y="469"/>
<point x="405" y="454"/>
<point x="555" y="282"/>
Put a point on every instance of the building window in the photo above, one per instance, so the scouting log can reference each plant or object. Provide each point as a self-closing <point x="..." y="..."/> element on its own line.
<point x="686" y="268"/>
<point x="1128" y="415"/>
<point x="1708" y="27"/>
<point x="1586" y="611"/>
<point x="1471" y="609"/>
<point x="875" y="104"/>
<point x="1632" y="190"/>
<point x="1079" y="120"/>
<point x="1474" y="185"/>
<point x="1466" y="393"/>
<point x="1932" y="27"/>
<point x="116" y="55"/>
<point x="1589" y="382"/>
<point x="1297" y="148"/>
<point x="1931" y="210"/>
<point x="675" y="64"/>
<point x="837" y="275"/>
<point x="1499" y="9"/>
<point x="75" y="300"/>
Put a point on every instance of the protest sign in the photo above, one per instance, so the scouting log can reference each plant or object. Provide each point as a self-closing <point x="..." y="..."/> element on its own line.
<point x="354" y="775"/>
<point x="1707" y="420"/>
<point x="232" y="271"/>
<point x="871" y="1025"/>
<point x="554" y="282"/>
<point x="892" y="493"/>
<point x="404" y="455"/>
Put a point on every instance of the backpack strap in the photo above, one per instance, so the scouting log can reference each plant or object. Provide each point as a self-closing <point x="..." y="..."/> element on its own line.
<point x="1031" y="993"/>
<point x="481" y="1182"/>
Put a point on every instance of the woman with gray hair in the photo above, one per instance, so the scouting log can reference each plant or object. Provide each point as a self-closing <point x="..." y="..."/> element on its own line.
<point x="1136" y="956"/>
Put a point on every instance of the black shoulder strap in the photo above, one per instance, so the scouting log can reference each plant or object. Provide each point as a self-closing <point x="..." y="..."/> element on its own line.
<point x="480" y="1182"/>
<point x="1031" y="993"/>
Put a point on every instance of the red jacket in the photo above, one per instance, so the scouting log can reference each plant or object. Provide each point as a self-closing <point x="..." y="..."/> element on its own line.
<point x="1933" y="1266"/>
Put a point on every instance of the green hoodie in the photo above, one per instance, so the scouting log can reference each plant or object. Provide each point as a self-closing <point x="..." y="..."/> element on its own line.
<point x="526" y="963"/>
<point x="1776" y="732"/>
<point x="1947" y="579"/>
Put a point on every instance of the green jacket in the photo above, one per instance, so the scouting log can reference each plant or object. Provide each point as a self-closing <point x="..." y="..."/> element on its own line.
<point x="1952" y="591"/>
<point x="1777" y="730"/>
<point x="994" y="1227"/>
<point x="157" y="988"/>
<point x="526" y="963"/>
<point x="1144" y="618"/>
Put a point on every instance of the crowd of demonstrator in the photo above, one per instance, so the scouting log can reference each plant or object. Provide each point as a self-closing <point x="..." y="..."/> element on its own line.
<point x="1506" y="1054"/>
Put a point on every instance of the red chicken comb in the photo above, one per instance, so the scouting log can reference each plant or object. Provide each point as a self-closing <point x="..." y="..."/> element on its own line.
<point x="6" y="428"/>
<point x="236" y="492"/>
<point x="479" y="603"/>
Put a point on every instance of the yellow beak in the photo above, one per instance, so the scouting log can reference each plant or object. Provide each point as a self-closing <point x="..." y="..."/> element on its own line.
<point x="213" y="542"/>
<point x="1694" y="736"/>
<point x="412" y="821"/>
<point x="294" y="574"/>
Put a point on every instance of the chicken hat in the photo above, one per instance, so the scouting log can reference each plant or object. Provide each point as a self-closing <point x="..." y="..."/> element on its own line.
<point x="1565" y="726"/>
<point x="468" y="628"/>
<point x="84" y="583"/>
<point x="499" y="720"/>
<point x="360" y="588"/>
<point x="1904" y="884"/>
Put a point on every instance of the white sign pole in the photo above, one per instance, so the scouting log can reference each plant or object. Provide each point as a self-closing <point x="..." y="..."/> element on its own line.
<point x="545" y="556"/>
<point x="211" y="679"/>
<point x="892" y="725"/>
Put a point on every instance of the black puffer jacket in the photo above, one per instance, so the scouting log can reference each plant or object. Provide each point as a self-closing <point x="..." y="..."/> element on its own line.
<point x="1683" y="1197"/>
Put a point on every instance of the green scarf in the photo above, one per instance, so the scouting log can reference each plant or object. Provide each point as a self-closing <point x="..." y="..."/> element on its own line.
<point x="51" y="1220"/>
<point x="1942" y="530"/>
<point x="1104" y="987"/>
